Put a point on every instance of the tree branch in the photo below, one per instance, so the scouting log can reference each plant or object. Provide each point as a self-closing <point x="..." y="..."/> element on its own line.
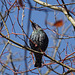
<point x="27" y="48"/>
<point x="69" y="17"/>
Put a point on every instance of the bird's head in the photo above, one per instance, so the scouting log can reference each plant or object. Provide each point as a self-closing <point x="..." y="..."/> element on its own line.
<point x="35" y="26"/>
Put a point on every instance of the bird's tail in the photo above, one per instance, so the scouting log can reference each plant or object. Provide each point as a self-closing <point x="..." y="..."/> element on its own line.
<point x="38" y="62"/>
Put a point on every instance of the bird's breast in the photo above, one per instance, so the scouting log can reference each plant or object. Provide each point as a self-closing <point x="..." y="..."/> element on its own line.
<point x="40" y="38"/>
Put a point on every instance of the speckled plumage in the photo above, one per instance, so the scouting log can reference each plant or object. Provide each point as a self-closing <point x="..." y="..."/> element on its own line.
<point x="40" y="39"/>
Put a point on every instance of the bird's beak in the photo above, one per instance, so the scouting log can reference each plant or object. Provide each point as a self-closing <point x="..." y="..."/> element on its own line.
<point x="33" y="25"/>
<point x="31" y="21"/>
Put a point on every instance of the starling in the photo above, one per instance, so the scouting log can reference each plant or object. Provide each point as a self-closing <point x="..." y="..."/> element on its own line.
<point x="39" y="42"/>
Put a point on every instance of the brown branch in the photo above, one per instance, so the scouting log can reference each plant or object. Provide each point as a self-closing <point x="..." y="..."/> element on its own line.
<point x="48" y="5"/>
<point x="27" y="48"/>
<point x="69" y="17"/>
<point x="68" y="72"/>
<point x="64" y="4"/>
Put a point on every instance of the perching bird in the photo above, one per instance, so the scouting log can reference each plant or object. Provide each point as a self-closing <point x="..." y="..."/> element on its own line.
<point x="39" y="42"/>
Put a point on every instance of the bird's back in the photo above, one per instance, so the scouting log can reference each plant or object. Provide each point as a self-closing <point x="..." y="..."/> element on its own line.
<point x="38" y="42"/>
<point x="40" y="39"/>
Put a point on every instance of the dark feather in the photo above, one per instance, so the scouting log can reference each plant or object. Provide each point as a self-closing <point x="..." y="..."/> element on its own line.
<point x="40" y="42"/>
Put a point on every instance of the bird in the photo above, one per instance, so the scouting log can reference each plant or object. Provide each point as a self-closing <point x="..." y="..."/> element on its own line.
<point x="39" y="42"/>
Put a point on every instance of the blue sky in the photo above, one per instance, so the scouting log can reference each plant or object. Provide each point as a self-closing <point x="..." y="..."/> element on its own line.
<point x="38" y="17"/>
